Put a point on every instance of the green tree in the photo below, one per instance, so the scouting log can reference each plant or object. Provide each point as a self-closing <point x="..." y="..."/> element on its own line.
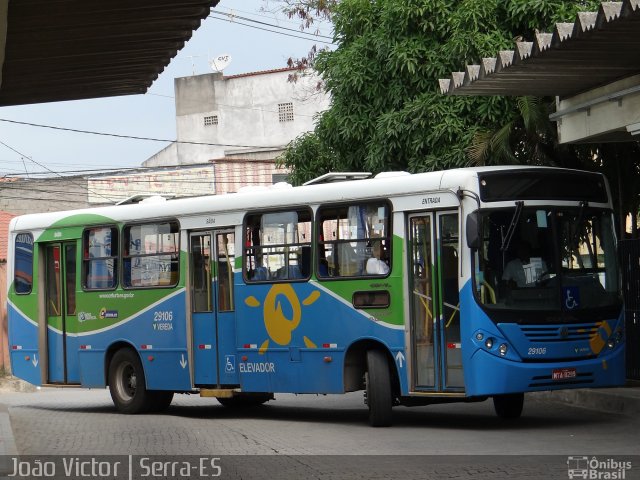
<point x="387" y="112"/>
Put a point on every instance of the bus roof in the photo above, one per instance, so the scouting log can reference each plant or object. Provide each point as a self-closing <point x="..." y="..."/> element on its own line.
<point x="277" y="196"/>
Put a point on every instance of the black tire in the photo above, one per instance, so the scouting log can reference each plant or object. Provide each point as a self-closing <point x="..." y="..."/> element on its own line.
<point x="245" y="401"/>
<point x="127" y="383"/>
<point x="159" y="400"/>
<point x="509" y="406"/>
<point x="378" y="389"/>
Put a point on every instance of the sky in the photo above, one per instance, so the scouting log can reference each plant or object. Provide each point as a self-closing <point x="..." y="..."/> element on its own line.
<point x="26" y="149"/>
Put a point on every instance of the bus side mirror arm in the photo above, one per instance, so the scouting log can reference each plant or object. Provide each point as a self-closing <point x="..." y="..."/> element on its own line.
<point x="473" y="229"/>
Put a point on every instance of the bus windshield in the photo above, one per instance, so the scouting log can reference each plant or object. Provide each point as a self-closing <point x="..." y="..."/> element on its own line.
<point x="553" y="259"/>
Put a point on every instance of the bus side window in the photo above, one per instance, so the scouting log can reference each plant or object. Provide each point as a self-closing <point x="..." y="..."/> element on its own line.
<point x="100" y="258"/>
<point x="277" y="245"/>
<point x="346" y="236"/>
<point x="23" y="260"/>
<point x="152" y="259"/>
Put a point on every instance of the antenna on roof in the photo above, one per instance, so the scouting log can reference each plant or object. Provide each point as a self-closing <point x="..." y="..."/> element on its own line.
<point x="219" y="63"/>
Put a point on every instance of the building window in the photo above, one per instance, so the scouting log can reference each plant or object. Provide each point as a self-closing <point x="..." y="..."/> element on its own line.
<point x="100" y="247"/>
<point x="285" y="112"/>
<point x="210" y="120"/>
<point x="23" y="278"/>
<point x="279" y="177"/>
<point x="278" y="246"/>
<point x="151" y="255"/>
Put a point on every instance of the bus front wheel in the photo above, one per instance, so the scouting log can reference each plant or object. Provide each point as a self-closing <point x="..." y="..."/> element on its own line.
<point x="378" y="389"/>
<point x="127" y="383"/>
<point x="509" y="406"/>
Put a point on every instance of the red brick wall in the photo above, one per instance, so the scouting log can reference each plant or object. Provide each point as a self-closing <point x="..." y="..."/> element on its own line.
<point x="231" y="175"/>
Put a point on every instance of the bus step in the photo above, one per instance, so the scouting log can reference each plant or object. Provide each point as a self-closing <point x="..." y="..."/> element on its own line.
<point x="62" y="385"/>
<point x="219" y="392"/>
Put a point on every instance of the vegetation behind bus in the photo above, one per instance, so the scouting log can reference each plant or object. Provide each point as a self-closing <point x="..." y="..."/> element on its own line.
<point x="387" y="112"/>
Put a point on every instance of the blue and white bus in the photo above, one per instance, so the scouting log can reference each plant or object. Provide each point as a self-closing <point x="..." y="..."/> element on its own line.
<point x="459" y="285"/>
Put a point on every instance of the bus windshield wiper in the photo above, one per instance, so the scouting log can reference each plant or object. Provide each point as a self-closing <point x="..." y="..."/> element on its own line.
<point x="576" y="224"/>
<point x="506" y="241"/>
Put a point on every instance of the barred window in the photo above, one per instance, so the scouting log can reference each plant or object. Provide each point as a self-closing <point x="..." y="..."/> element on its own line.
<point x="99" y="260"/>
<point x="210" y="120"/>
<point x="278" y="246"/>
<point x="285" y="112"/>
<point x="279" y="177"/>
<point x="354" y="240"/>
<point x="151" y="255"/>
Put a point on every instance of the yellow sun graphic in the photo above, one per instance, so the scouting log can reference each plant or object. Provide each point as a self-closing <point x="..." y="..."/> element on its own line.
<point x="279" y="327"/>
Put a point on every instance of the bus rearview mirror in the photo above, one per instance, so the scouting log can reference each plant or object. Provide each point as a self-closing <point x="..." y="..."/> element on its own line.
<point x="473" y="230"/>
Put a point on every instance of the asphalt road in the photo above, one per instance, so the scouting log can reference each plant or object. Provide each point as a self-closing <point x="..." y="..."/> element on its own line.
<point x="467" y="439"/>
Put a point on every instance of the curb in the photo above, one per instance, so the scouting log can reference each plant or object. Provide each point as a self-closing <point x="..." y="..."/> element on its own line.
<point x="622" y="401"/>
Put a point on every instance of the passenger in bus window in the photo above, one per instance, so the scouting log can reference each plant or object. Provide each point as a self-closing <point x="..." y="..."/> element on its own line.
<point x="375" y="265"/>
<point x="261" y="272"/>
<point x="323" y="267"/>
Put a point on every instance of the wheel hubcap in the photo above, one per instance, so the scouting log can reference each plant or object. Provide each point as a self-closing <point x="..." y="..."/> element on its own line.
<point x="127" y="381"/>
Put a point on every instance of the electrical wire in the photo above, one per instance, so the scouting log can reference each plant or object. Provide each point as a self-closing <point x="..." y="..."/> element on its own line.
<point x="271" y="31"/>
<point x="131" y="137"/>
<point x="46" y="168"/>
<point x="293" y="22"/>
<point x="234" y="17"/>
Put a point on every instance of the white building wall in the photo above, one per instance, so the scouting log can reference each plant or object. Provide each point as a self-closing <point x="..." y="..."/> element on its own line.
<point x="243" y="113"/>
<point x="166" y="156"/>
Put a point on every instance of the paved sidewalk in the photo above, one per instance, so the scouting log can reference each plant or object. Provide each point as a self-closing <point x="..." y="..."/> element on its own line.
<point x="622" y="400"/>
<point x="7" y="442"/>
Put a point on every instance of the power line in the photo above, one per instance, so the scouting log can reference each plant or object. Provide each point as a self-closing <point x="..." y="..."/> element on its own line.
<point x="231" y="10"/>
<point x="46" y="168"/>
<point x="233" y="17"/>
<point x="56" y="195"/>
<point x="130" y="137"/>
<point x="160" y="95"/>
<point x="271" y="31"/>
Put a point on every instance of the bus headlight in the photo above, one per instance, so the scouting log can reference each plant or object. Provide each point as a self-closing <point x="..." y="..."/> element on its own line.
<point x="489" y="343"/>
<point x="479" y="336"/>
<point x="611" y="343"/>
<point x="503" y="349"/>
<point x="619" y="335"/>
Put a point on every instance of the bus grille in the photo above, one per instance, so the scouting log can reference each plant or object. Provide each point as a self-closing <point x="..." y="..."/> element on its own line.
<point x="561" y="333"/>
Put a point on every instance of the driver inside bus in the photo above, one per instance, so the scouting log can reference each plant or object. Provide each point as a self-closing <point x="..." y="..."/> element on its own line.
<point x="524" y="270"/>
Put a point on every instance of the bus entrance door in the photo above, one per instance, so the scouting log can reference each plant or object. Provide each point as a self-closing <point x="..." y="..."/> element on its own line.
<point x="435" y="311"/>
<point x="60" y="307"/>
<point x="213" y="311"/>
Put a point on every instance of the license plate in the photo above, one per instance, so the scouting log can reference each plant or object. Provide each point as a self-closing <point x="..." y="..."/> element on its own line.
<point x="563" y="373"/>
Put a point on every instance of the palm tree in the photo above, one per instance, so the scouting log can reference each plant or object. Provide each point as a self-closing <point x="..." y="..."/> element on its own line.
<point x="527" y="137"/>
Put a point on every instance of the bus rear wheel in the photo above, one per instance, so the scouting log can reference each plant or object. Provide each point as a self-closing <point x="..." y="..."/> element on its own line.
<point x="509" y="405"/>
<point x="378" y="389"/>
<point x="127" y="383"/>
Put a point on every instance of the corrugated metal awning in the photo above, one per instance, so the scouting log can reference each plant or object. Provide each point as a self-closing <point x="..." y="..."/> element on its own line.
<point x="598" y="48"/>
<point x="74" y="49"/>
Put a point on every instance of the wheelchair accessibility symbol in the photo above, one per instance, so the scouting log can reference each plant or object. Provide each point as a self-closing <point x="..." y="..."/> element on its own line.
<point x="571" y="298"/>
<point x="230" y="364"/>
